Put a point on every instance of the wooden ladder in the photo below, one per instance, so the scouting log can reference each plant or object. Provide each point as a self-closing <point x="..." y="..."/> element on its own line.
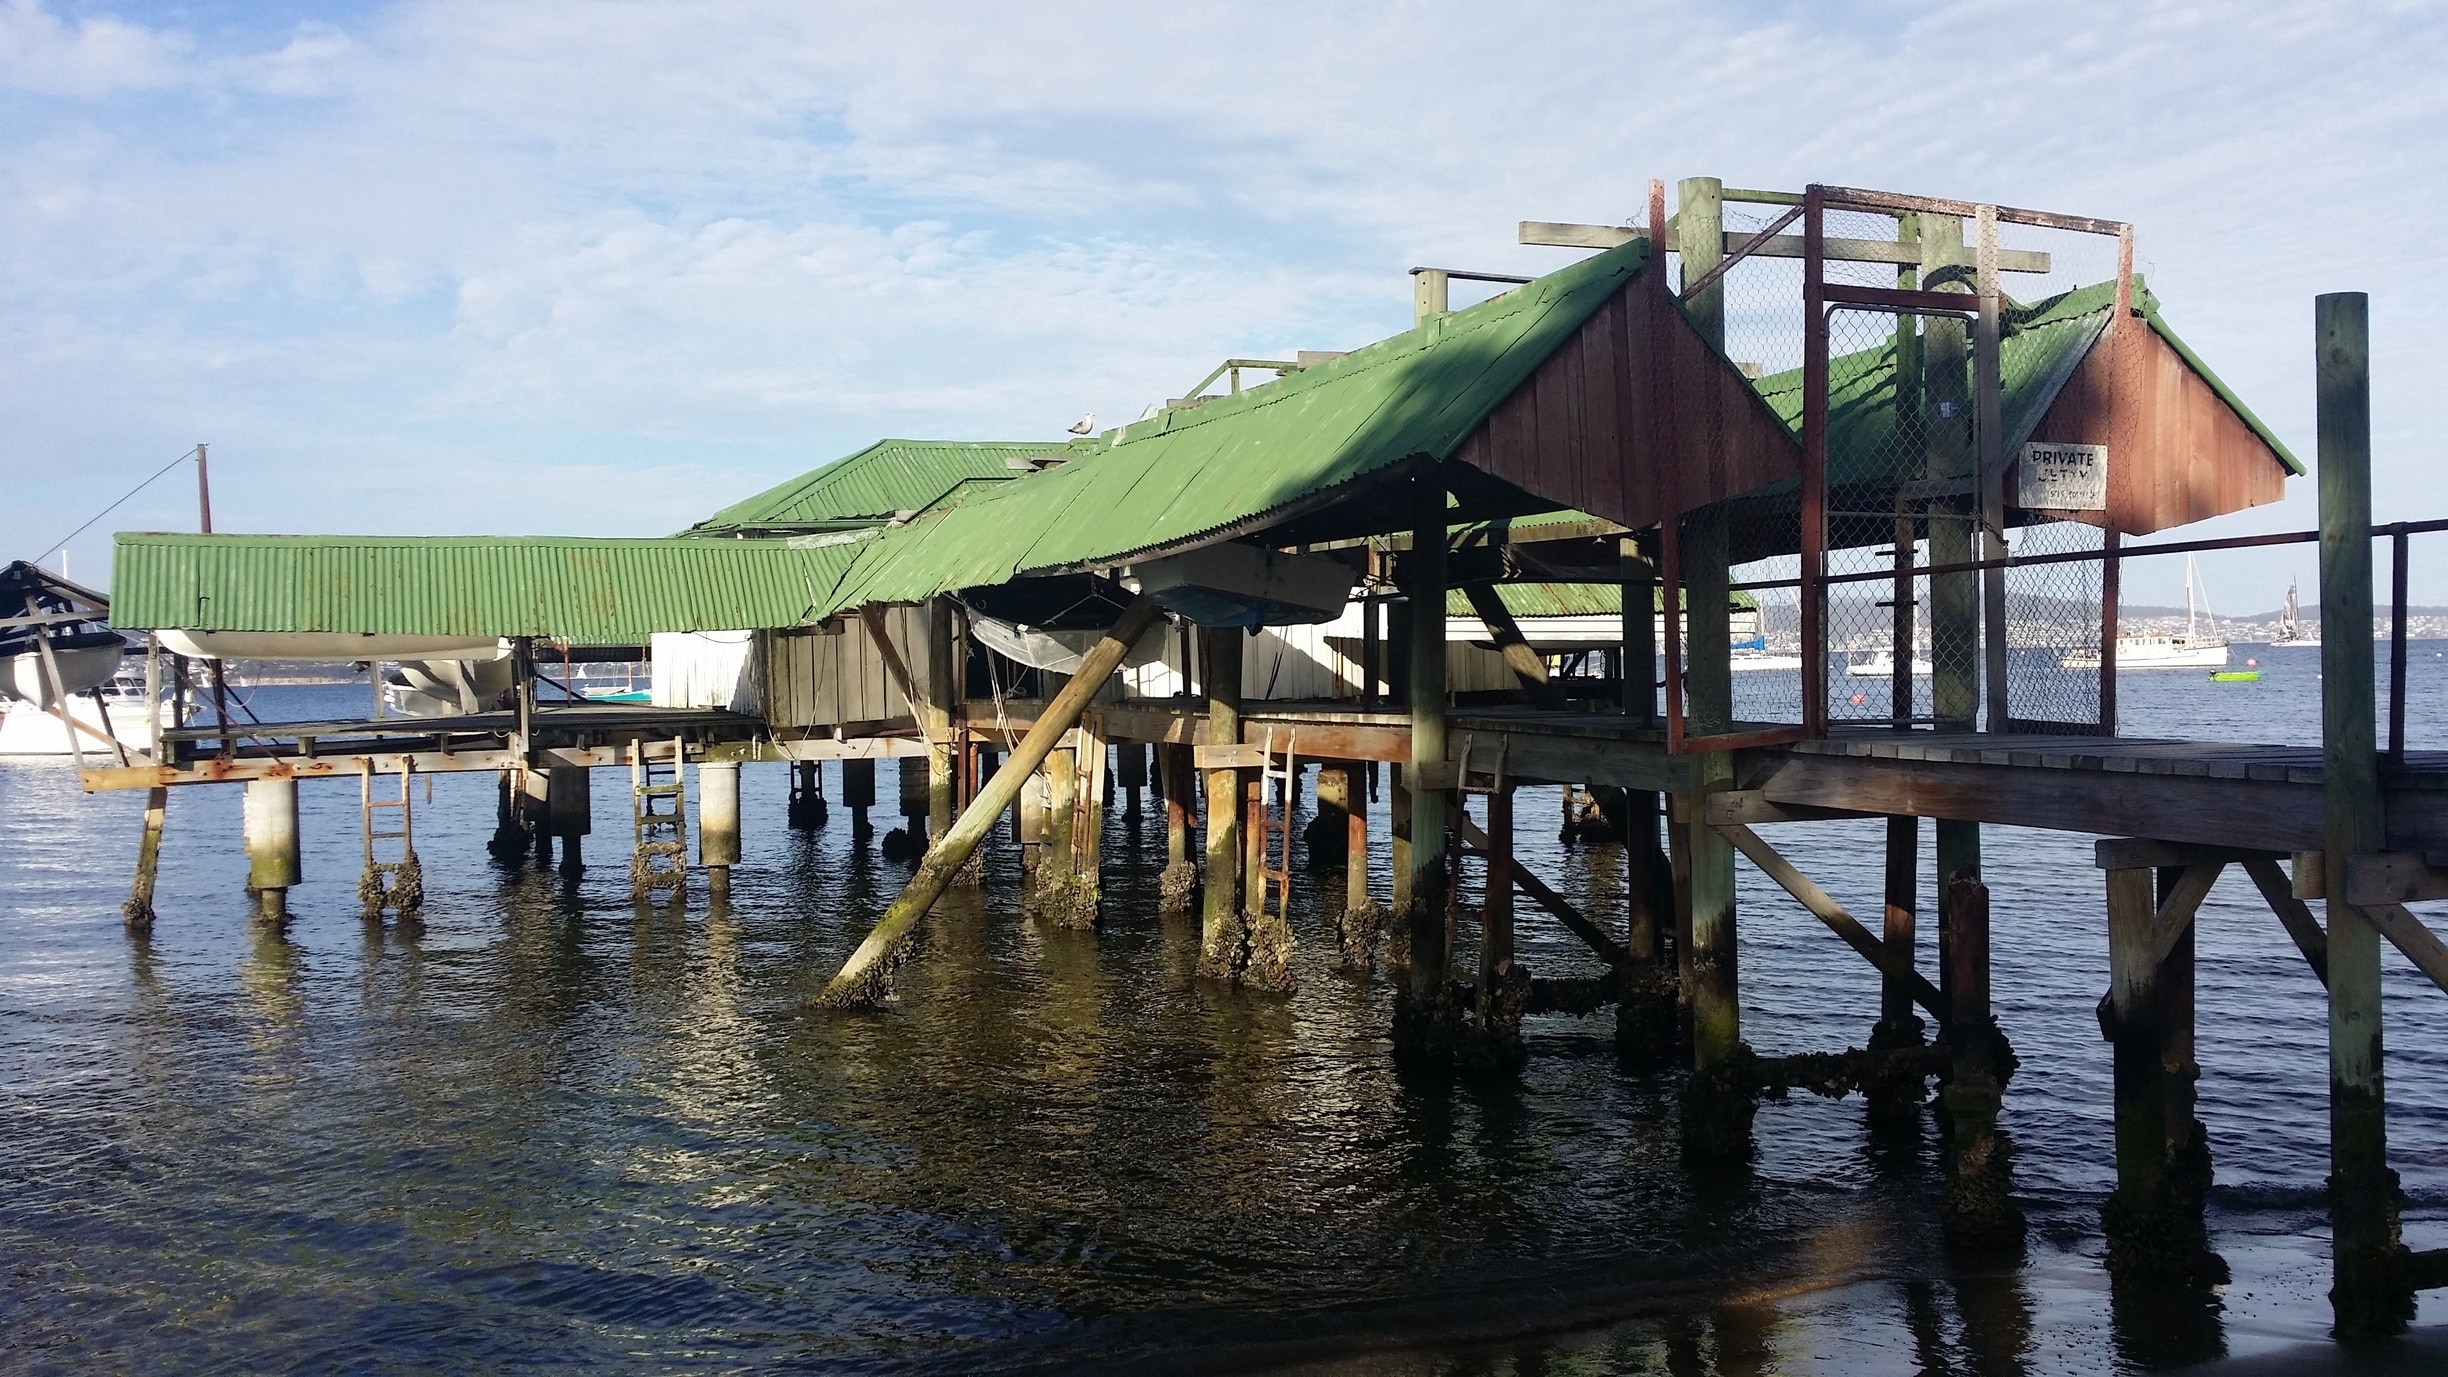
<point x="659" y="859"/>
<point x="1271" y="826"/>
<point x="393" y="884"/>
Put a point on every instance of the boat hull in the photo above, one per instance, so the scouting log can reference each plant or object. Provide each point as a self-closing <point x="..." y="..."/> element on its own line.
<point x="23" y="677"/>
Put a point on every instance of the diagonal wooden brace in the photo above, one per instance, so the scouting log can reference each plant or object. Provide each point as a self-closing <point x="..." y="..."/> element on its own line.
<point x="1843" y="924"/>
<point x="1609" y="950"/>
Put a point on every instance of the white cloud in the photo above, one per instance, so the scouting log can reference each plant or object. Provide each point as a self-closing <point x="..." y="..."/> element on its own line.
<point x="733" y="238"/>
<point x="97" y="56"/>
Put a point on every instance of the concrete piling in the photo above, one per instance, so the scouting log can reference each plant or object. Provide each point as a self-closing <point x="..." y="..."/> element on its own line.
<point x="806" y="811"/>
<point x="270" y="818"/>
<point x="718" y="822"/>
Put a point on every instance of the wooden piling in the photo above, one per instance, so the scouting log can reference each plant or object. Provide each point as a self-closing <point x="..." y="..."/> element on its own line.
<point x="1425" y="1021"/>
<point x="863" y="977"/>
<point x="944" y="646"/>
<point x="2371" y="1294"/>
<point x="1980" y="1211"/>
<point x="1898" y="1099"/>
<point x="1503" y="989"/>
<point x="138" y="910"/>
<point x="1180" y="879"/>
<point x="1223" y="929"/>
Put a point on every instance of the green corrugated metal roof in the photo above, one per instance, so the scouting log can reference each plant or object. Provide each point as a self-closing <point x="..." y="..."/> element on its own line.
<point x="605" y="592"/>
<point x="887" y="477"/>
<point x="2039" y="347"/>
<point x="1187" y="474"/>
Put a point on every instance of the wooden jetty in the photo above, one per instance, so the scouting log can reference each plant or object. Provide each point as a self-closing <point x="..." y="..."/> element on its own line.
<point x="1585" y="474"/>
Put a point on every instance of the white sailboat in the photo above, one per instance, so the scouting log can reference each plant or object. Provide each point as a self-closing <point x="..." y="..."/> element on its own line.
<point x="2192" y="650"/>
<point x="2292" y="629"/>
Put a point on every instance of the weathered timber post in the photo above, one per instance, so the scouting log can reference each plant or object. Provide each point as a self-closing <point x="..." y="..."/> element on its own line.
<point x="1180" y="879"/>
<point x="858" y="793"/>
<point x="1029" y="823"/>
<point x="1503" y="988"/>
<point x="1223" y="929"/>
<point x="270" y="820"/>
<point x="569" y="811"/>
<point x="508" y="844"/>
<point x="718" y="823"/>
<point x="943" y="646"/>
<point x="1719" y="1098"/>
<point x="2371" y="1294"/>
<point x="1980" y="1210"/>
<point x="1896" y="1098"/>
<point x="1425" y="1020"/>
<point x="2154" y="1221"/>
<point x="1341" y="830"/>
<point x="863" y="977"/>
<point x="1645" y="1020"/>
<point x="1057" y="859"/>
<point x="138" y="910"/>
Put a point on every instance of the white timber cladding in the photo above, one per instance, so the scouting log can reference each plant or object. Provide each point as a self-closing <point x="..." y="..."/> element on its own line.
<point x="815" y="678"/>
<point x="705" y="669"/>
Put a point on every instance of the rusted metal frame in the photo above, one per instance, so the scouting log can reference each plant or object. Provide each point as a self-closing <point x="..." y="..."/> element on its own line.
<point x="1662" y="470"/>
<point x="2177" y="547"/>
<point x="1746" y="249"/>
<point x="2112" y="591"/>
<point x="1887" y="298"/>
<point x="2397" y="643"/>
<point x="1814" y="462"/>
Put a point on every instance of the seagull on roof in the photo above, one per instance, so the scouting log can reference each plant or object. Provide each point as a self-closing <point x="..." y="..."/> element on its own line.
<point x="1085" y="425"/>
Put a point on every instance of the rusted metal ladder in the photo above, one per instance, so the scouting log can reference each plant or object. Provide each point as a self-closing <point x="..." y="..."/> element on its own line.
<point x="398" y="885"/>
<point x="659" y="859"/>
<point x="1271" y="826"/>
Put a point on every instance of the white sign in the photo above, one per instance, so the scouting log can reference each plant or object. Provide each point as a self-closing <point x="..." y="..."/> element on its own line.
<point x="2063" y="478"/>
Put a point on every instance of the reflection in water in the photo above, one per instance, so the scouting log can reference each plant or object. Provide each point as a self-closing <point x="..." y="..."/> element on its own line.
<point x="554" y="1128"/>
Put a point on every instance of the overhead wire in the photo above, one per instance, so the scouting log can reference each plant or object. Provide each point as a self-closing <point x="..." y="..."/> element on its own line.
<point x="106" y="511"/>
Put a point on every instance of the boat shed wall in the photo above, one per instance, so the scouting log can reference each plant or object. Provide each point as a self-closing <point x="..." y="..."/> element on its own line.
<point x="1584" y="429"/>
<point x="834" y="675"/>
<point x="2180" y="447"/>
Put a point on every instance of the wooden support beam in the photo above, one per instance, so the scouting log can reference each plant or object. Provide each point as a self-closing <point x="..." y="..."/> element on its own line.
<point x="1526" y="663"/>
<point x="861" y="978"/>
<point x="1843" y="924"/>
<point x="2141" y="853"/>
<point x="1748" y="807"/>
<point x="2393" y="877"/>
<point x="2293" y="914"/>
<point x="1608" y="949"/>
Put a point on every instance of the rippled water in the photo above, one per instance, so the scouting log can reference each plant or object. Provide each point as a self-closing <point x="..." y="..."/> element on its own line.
<point x="554" y="1129"/>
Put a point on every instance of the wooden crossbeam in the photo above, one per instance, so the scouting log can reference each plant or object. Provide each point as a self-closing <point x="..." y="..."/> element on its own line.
<point x="2143" y="853"/>
<point x="2393" y="878"/>
<point x="1828" y="911"/>
<point x="1555" y="234"/>
<point x="1745" y="807"/>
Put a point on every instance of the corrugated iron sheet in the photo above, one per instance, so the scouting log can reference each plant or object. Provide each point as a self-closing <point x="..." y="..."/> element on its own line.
<point x="887" y="477"/>
<point x="1184" y="474"/>
<point x="607" y="592"/>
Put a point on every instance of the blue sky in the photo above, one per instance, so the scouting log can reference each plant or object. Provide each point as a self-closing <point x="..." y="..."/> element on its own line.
<point x="601" y="268"/>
